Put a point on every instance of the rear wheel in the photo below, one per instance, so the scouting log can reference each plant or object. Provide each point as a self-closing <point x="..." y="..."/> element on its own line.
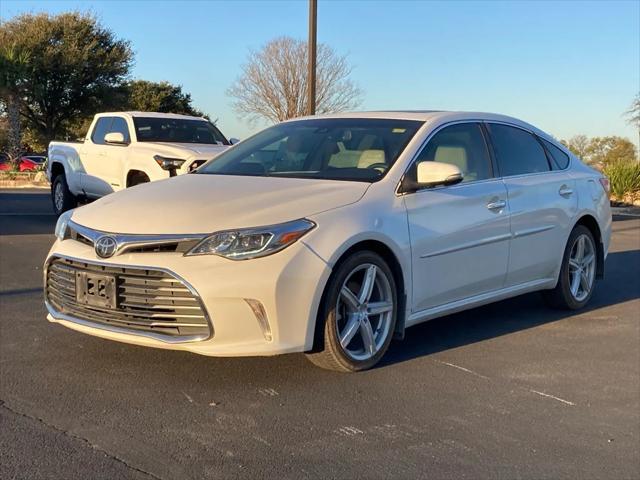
<point x="61" y="196"/>
<point x="578" y="271"/>
<point x="359" y="313"/>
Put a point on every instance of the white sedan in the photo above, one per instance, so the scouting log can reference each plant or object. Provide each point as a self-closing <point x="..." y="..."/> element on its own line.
<point x="332" y="235"/>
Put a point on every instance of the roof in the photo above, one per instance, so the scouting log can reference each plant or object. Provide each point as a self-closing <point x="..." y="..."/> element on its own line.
<point x="149" y="115"/>
<point x="437" y="116"/>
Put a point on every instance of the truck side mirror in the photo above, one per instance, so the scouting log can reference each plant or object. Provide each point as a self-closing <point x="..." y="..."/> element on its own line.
<point x="234" y="140"/>
<point x="115" y="138"/>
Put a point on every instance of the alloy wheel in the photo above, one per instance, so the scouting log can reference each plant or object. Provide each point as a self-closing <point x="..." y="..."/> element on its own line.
<point x="364" y="312"/>
<point x="58" y="197"/>
<point x="582" y="267"/>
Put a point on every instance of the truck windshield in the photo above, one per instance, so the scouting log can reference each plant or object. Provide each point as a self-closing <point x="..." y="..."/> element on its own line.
<point x="177" y="130"/>
<point x="357" y="149"/>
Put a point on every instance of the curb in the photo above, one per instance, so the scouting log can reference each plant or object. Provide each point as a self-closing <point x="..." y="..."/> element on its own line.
<point x="12" y="185"/>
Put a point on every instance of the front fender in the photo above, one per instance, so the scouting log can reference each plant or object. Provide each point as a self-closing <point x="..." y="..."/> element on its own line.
<point x="349" y="226"/>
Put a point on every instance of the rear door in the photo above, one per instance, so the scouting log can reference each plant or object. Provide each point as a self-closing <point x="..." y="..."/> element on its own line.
<point x="541" y="199"/>
<point x="459" y="234"/>
<point x="103" y="162"/>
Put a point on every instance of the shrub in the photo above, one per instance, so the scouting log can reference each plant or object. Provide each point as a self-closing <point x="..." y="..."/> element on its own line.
<point x="624" y="177"/>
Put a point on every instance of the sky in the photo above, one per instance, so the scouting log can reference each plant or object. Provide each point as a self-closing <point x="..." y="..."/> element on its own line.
<point x="568" y="67"/>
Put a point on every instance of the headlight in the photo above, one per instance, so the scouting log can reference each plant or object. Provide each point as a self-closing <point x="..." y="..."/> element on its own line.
<point x="252" y="242"/>
<point x="61" y="224"/>
<point x="167" y="163"/>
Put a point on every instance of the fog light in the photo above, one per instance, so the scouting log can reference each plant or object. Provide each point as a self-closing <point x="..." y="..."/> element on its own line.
<point x="261" y="317"/>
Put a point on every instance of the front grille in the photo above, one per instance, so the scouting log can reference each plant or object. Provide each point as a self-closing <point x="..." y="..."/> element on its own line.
<point x="148" y="302"/>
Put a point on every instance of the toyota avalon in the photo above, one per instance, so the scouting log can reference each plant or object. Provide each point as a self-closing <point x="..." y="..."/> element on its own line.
<point x="332" y="235"/>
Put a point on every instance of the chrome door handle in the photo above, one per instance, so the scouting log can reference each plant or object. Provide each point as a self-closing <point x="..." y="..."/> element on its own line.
<point x="497" y="205"/>
<point x="565" y="191"/>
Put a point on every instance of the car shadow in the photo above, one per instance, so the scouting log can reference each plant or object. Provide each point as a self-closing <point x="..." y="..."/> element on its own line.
<point x="512" y="315"/>
<point x="23" y="213"/>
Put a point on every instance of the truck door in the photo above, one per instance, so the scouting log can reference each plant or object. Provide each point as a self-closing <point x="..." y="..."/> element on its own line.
<point x="103" y="162"/>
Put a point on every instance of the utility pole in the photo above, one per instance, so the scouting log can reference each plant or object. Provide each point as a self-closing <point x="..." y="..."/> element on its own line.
<point x="311" y="61"/>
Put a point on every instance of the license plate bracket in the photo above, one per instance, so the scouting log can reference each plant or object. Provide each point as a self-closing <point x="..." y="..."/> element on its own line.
<point x="97" y="290"/>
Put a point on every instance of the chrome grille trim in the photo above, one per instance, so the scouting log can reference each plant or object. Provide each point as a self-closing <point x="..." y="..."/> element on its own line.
<point x="134" y="242"/>
<point x="167" y="308"/>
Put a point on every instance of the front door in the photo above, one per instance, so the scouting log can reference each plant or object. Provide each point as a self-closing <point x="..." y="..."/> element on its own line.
<point x="103" y="163"/>
<point x="459" y="234"/>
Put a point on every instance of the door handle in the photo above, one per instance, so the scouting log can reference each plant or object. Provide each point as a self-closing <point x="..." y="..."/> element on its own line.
<point x="497" y="205"/>
<point x="565" y="191"/>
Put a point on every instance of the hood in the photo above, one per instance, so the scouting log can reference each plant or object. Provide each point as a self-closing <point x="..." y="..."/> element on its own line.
<point x="183" y="150"/>
<point x="198" y="148"/>
<point x="207" y="203"/>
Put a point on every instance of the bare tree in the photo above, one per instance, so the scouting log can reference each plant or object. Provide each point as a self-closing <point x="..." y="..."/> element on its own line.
<point x="633" y="114"/>
<point x="273" y="83"/>
<point x="633" y="118"/>
<point x="579" y="145"/>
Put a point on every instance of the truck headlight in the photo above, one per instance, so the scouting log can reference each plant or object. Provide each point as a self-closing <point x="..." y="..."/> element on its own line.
<point x="167" y="163"/>
<point x="249" y="243"/>
<point x="62" y="223"/>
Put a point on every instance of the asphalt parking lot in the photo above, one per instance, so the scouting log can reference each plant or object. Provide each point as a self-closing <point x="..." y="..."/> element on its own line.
<point x="510" y="390"/>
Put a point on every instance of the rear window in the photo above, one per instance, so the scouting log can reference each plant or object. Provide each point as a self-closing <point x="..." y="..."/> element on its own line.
<point x="517" y="151"/>
<point x="560" y="159"/>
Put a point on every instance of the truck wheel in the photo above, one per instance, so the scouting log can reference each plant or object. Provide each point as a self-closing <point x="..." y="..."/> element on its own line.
<point x="137" y="179"/>
<point x="61" y="196"/>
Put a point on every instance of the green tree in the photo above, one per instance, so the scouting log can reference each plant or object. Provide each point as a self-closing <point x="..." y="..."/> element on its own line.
<point x="165" y="97"/>
<point x="13" y="74"/>
<point x="607" y="150"/>
<point x="76" y="67"/>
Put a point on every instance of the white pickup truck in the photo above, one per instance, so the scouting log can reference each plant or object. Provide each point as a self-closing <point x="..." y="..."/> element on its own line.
<point x="123" y="149"/>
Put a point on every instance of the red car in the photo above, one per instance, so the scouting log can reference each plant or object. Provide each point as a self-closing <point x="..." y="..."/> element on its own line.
<point x="28" y="163"/>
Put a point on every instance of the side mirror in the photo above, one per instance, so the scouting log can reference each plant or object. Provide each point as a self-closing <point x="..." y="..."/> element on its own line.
<point x="233" y="141"/>
<point x="115" y="138"/>
<point x="432" y="174"/>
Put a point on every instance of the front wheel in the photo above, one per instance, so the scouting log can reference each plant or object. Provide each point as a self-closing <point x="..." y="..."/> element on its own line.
<point x="359" y="312"/>
<point x="578" y="272"/>
<point x="61" y="196"/>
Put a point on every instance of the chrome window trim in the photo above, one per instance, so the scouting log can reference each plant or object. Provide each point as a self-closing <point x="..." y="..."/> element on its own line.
<point x="487" y="136"/>
<point x="126" y="242"/>
<point x="162" y="338"/>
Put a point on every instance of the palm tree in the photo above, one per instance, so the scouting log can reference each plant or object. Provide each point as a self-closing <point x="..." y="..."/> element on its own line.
<point x="13" y="64"/>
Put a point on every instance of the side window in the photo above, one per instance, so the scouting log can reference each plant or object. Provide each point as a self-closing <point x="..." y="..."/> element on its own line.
<point x="517" y="151"/>
<point x="560" y="159"/>
<point x="461" y="145"/>
<point x="120" y="125"/>
<point x="101" y="129"/>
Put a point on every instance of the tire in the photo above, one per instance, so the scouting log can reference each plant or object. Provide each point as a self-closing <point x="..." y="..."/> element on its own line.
<point x="138" y="179"/>
<point x="61" y="196"/>
<point x="366" y="335"/>
<point x="565" y="295"/>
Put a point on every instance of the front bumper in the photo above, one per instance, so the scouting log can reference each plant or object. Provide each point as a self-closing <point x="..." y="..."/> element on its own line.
<point x="288" y="285"/>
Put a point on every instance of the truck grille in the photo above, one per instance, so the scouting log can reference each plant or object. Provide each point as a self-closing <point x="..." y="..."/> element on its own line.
<point x="147" y="302"/>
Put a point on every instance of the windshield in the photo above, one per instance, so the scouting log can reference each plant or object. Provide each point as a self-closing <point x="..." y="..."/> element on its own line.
<point x="177" y="130"/>
<point x="328" y="148"/>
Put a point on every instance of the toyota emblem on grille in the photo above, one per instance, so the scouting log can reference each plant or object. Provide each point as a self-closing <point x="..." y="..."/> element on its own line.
<point x="106" y="246"/>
